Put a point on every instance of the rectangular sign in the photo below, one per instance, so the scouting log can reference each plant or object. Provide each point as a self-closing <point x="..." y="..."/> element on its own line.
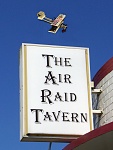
<point x="55" y="93"/>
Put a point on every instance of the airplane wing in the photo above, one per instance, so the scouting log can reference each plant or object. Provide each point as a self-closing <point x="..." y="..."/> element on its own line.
<point x="54" y="29"/>
<point x="58" y="20"/>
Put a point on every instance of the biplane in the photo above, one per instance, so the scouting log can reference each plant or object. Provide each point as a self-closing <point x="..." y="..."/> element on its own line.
<point x="55" y="23"/>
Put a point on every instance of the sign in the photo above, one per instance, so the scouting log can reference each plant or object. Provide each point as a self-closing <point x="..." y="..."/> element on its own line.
<point x="55" y="94"/>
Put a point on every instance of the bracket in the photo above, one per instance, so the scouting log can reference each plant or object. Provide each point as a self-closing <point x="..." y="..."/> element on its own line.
<point x="96" y="91"/>
<point x="98" y="112"/>
<point x="92" y="84"/>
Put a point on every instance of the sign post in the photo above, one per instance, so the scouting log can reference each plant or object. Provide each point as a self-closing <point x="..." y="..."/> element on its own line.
<point x="55" y="93"/>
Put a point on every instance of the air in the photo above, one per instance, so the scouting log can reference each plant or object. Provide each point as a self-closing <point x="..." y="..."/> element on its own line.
<point x="90" y="24"/>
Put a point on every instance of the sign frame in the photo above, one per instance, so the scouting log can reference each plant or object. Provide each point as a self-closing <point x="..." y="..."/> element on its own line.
<point x="23" y="68"/>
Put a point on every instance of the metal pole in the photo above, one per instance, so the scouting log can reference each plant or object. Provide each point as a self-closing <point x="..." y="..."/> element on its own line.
<point x="50" y="144"/>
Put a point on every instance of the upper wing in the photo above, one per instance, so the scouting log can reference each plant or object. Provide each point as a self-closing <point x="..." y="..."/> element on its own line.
<point x="58" y="20"/>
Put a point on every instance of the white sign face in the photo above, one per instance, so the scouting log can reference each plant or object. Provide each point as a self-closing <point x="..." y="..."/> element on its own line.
<point x="55" y="94"/>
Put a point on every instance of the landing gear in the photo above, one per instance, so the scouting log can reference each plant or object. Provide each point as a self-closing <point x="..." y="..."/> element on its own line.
<point x="64" y="30"/>
<point x="64" y="26"/>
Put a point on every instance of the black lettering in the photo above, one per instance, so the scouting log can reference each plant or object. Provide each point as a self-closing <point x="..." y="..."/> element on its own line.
<point x="56" y="116"/>
<point x="48" y="59"/>
<point x="65" y="117"/>
<point x="67" y="63"/>
<point x="74" y="117"/>
<point x="58" y="96"/>
<point x="83" y="117"/>
<point x="67" y="78"/>
<point x="50" y="77"/>
<point x="60" y="78"/>
<point x="73" y="97"/>
<point x="66" y="98"/>
<point x="47" y="116"/>
<point x="45" y="96"/>
<point x="56" y="61"/>
<point x="37" y="114"/>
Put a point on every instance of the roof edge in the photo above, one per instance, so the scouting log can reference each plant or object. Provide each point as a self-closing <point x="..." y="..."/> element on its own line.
<point x="91" y="135"/>
<point x="103" y="71"/>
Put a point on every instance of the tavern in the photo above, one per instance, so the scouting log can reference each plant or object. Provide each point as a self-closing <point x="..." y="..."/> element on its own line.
<point x="58" y="116"/>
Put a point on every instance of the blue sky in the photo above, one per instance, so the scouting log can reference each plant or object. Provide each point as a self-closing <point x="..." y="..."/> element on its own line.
<point x="90" y="24"/>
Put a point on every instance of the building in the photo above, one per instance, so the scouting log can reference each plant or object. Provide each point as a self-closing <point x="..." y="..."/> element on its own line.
<point x="101" y="137"/>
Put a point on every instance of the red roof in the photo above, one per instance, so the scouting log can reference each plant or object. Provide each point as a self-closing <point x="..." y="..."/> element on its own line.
<point x="103" y="71"/>
<point x="98" y="139"/>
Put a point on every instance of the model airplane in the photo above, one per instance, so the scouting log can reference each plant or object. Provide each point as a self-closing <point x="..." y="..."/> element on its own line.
<point x="55" y="23"/>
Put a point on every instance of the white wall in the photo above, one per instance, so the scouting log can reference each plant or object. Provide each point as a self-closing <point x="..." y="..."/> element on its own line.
<point x="104" y="101"/>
